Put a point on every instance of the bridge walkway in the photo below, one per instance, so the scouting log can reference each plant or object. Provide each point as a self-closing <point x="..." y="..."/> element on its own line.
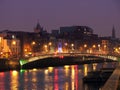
<point x="42" y="56"/>
<point x="112" y="82"/>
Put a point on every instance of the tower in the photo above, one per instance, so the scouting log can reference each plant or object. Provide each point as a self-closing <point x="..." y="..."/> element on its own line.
<point x="38" y="28"/>
<point x="113" y="33"/>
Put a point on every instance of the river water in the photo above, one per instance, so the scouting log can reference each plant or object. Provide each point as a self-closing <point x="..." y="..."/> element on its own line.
<point x="68" y="77"/>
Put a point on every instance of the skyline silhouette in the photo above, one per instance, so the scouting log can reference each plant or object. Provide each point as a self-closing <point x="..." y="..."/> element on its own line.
<point x="23" y="15"/>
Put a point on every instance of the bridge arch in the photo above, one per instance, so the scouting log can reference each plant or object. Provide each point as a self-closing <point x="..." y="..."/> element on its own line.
<point x="62" y="59"/>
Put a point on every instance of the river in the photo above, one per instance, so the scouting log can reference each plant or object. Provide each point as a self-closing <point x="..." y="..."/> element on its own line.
<point x="68" y="77"/>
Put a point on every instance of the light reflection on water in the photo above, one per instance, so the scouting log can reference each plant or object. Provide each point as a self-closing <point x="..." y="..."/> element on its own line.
<point x="68" y="77"/>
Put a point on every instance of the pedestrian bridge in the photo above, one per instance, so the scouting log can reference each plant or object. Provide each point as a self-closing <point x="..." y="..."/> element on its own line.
<point x="112" y="82"/>
<point x="43" y="56"/>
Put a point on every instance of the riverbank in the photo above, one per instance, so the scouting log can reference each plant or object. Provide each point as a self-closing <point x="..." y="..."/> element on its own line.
<point x="6" y="65"/>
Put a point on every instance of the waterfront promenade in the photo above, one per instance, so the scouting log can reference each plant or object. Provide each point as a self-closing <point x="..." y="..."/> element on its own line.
<point x="112" y="82"/>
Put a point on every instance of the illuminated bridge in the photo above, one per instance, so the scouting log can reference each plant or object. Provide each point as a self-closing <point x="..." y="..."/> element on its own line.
<point x="45" y="60"/>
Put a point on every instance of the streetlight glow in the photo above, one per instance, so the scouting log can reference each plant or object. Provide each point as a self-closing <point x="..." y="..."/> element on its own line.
<point x="33" y="43"/>
<point x="85" y="45"/>
<point x="14" y="43"/>
<point x="50" y="43"/>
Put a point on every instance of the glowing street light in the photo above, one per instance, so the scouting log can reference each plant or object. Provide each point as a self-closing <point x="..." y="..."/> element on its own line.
<point x="99" y="47"/>
<point x="25" y="50"/>
<point x="33" y="43"/>
<point x="66" y="47"/>
<point x="66" y="44"/>
<point x="14" y="43"/>
<point x="50" y="44"/>
<point x="46" y="48"/>
<point x="72" y="44"/>
<point x="85" y="45"/>
<point x="94" y="46"/>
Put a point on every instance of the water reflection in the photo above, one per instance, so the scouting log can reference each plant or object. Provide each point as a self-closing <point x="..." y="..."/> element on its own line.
<point x="2" y="83"/>
<point x="94" y="66"/>
<point x="85" y="69"/>
<point x="68" y="77"/>
<point x="67" y="70"/>
<point x="56" y="86"/>
<point x="14" y="80"/>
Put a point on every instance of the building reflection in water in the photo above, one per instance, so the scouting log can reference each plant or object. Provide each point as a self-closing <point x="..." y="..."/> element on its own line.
<point x="2" y="80"/>
<point x="68" y="77"/>
<point x="85" y="69"/>
<point x="67" y="70"/>
<point x="66" y="86"/>
<point x="74" y="77"/>
<point x="34" y="79"/>
<point x="56" y="86"/>
<point x="14" y="80"/>
<point x="48" y="78"/>
<point x="50" y="69"/>
<point x="94" y="66"/>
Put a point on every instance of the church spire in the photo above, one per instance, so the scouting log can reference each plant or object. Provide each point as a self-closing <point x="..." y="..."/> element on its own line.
<point x="38" y="28"/>
<point x="113" y="33"/>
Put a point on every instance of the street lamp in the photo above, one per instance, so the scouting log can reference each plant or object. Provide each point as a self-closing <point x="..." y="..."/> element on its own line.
<point x="94" y="46"/>
<point x="33" y="47"/>
<point x="72" y="45"/>
<point x="50" y="43"/>
<point x="13" y="42"/>
<point x="46" y="48"/>
<point x="33" y="43"/>
<point x="99" y="48"/>
<point x="66" y="49"/>
<point x="14" y="48"/>
<point x="85" y="45"/>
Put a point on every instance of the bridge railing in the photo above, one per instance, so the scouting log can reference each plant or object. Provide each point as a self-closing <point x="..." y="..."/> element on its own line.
<point x="42" y="56"/>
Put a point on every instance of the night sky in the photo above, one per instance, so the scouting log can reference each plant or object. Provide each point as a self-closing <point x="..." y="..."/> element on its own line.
<point x="23" y="15"/>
